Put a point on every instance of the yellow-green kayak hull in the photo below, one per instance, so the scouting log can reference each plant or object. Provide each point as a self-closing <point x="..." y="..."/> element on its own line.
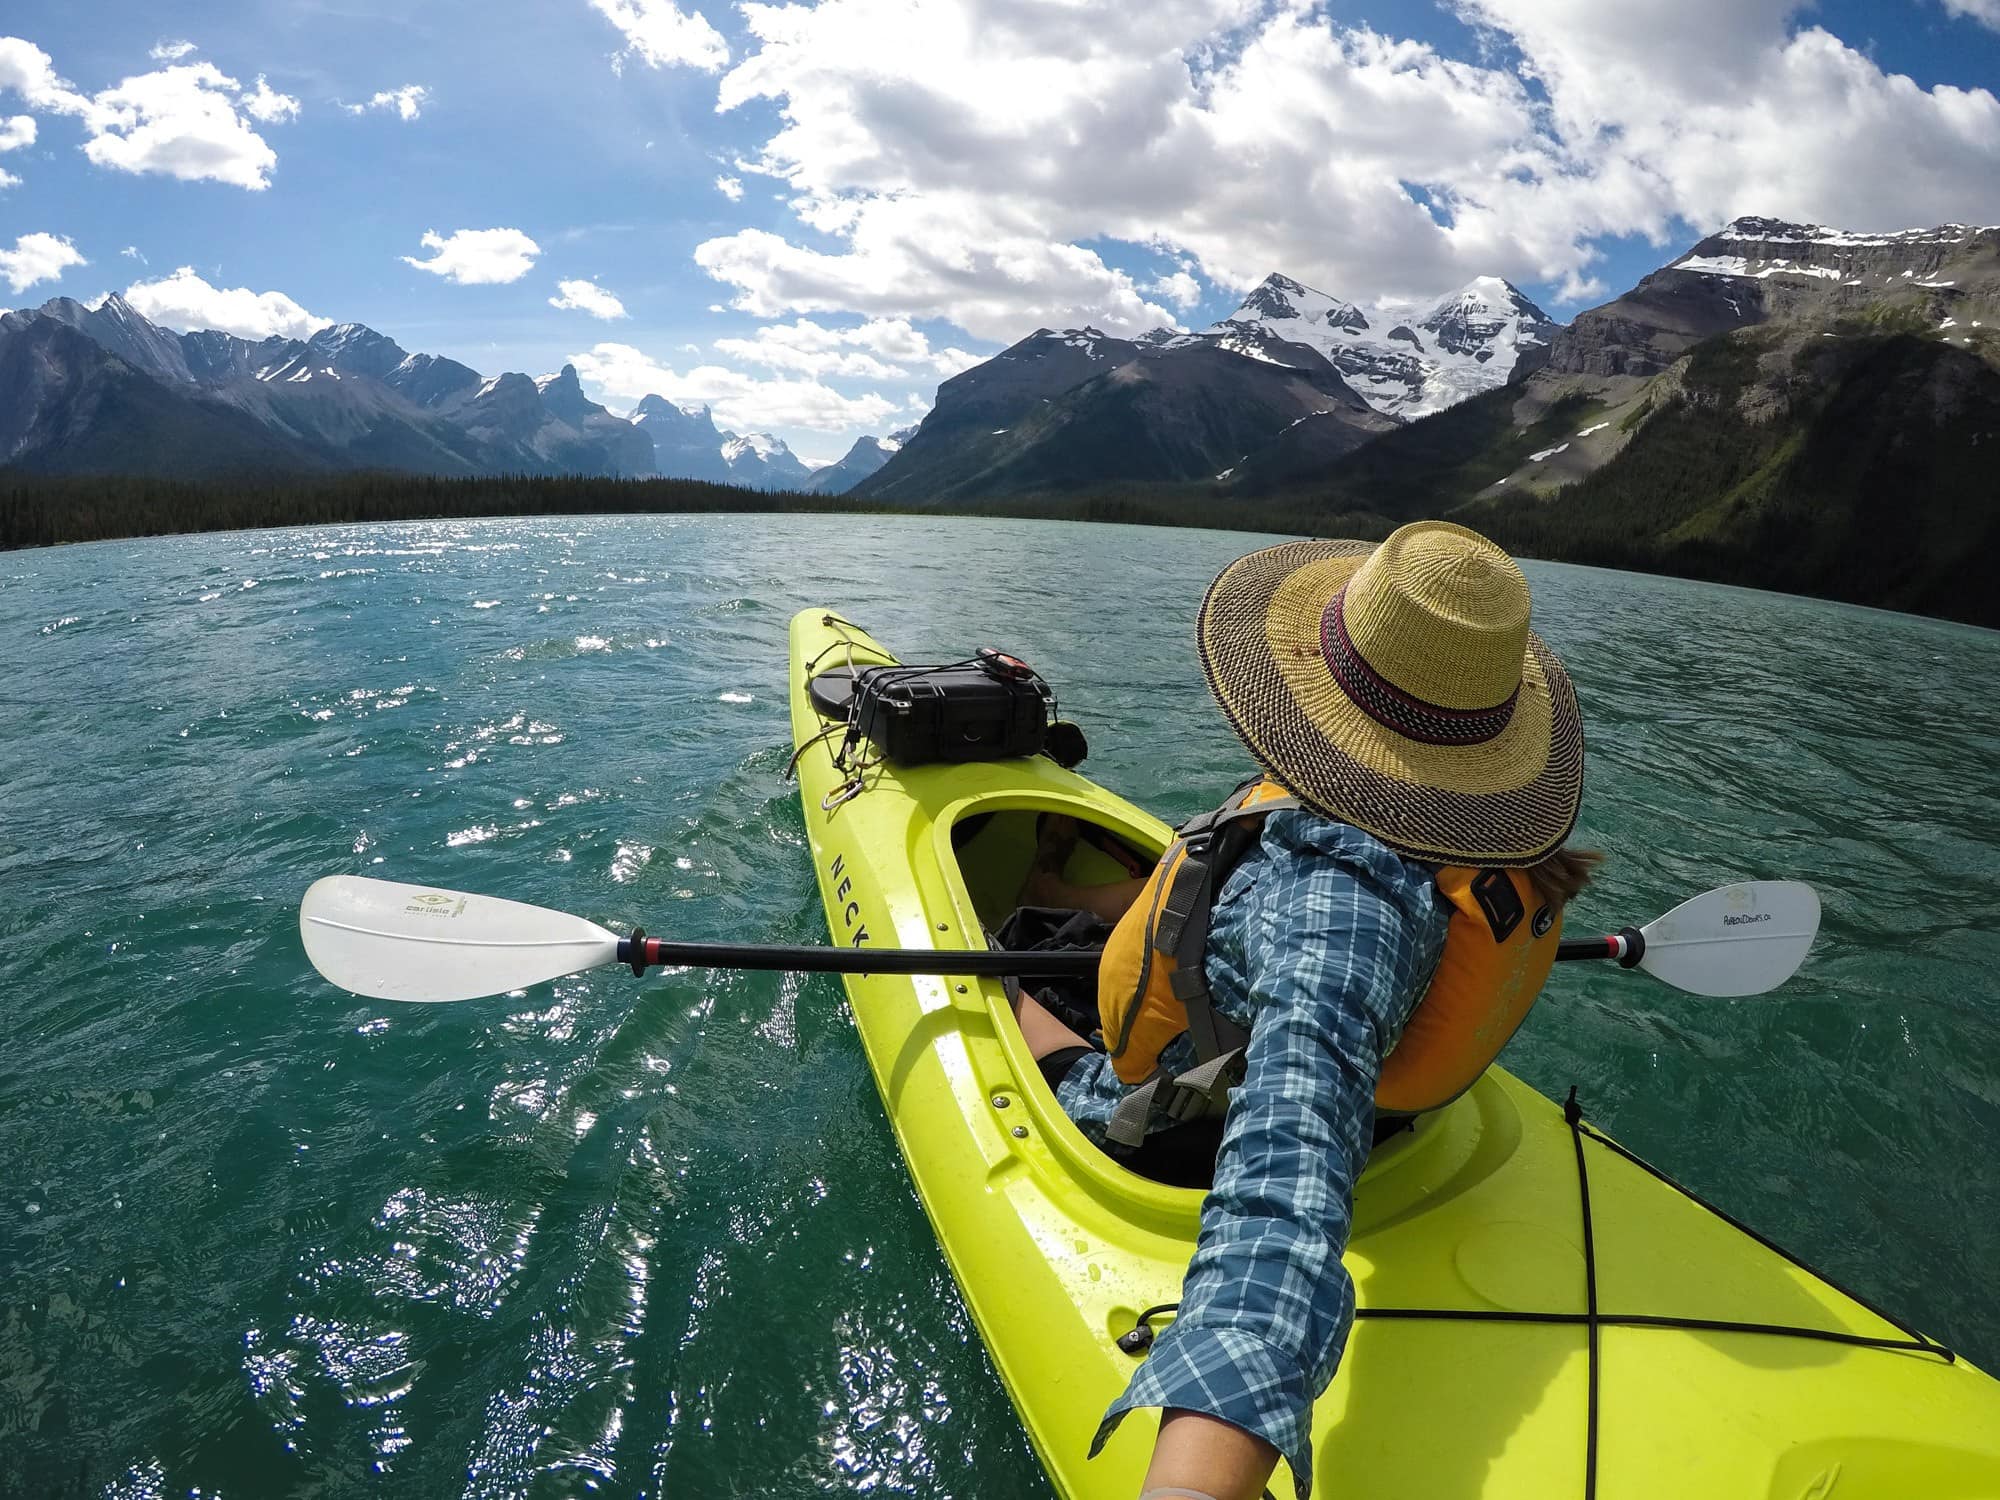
<point x="1476" y="1211"/>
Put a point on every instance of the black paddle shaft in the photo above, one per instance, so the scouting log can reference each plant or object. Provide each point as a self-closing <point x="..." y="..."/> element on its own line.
<point x="642" y="953"/>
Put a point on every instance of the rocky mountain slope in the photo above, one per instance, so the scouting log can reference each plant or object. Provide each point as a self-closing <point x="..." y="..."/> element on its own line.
<point x="688" y="445"/>
<point x="1073" y="409"/>
<point x="1291" y="381"/>
<point x="121" y="394"/>
<point x="866" y="456"/>
<point x="1789" y="406"/>
<point x="1803" y="282"/>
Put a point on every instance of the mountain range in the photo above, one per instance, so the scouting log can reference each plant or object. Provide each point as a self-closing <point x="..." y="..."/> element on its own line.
<point x="101" y="389"/>
<point x="1789" y="405"/>
<point x="1292" y="372"/>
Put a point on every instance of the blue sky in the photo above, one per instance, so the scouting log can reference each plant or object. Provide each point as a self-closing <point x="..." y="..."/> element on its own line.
<point x="910" y="184"/>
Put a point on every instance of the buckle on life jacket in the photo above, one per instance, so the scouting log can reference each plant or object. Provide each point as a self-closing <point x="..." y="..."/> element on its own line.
<point x="1201" y="1093"/>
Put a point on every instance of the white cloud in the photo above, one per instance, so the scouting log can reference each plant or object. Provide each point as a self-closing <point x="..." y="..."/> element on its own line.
<point x="478" y="257"/>
<point x="131" y="252"/>
<point x="171" y="52"/>
<point x="588" y="297"/>
<point x="30" y="72"/>
<point x="1180" y="289"/>
<point x="184" y="300"/>
<point x="179" y="122"/>
<point x="8" y="180"/>
<point x="1986" y="12"/>
<point x="730" y="188"/>
<point x="407" y="102"/>
<point x="190" y="121"/>
<point x="798" y="347"/>
<point x="17" y="131"/>
<point x="741" y="402"/>
<point x="38" y="257"/>
<point x="942" y="256"/>
<point x="660" y="34"/>
<point x="955" y="361"/>
<point x="1250" y="136"/>
<point x="267" y="104"/>
<point x="812" y="349"/>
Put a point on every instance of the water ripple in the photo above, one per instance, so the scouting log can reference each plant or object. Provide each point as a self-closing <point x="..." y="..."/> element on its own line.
<point x="261" y="1237"/>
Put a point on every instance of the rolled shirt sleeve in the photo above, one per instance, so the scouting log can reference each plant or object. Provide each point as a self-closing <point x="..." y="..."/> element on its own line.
<point x="1324" y="941"/>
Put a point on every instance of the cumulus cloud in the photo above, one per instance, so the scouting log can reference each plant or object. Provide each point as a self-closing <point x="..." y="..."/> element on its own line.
<point x="8" y="180"/>
<point x="588" y="297"/>
<point x="188" y="120"/>
<point x="170" y="52"/>
<point x="265" y="103"/>
<point x="184" y="300"/>
<point x="660" y="34"/>
<point x="1250" y="137"/>
<point x="742" y="402"/>
<point x="29" y="71"/>
<point x="406" y="102"/>
<point x="730" y="188"/>
<point x="182" y="122"/>
<point x="1180" y="289"/>
<point x="478" y="257"/>
<point x="38" y="257"/>
<point x="809" y="349"/>
<point x="17" y="131"/>
<point x="1986" y="12"/>
<point x="879" y="349"/>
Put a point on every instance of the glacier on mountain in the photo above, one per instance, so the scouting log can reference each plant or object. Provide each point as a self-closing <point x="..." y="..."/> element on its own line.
<point x="1403" y="359"/>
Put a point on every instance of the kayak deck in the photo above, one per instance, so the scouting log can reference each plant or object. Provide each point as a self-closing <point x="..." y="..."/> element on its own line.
<point x="1506" y="1343"/>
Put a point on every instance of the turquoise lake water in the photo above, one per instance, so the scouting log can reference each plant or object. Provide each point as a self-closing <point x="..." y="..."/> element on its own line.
<point x="259" y="1237"/>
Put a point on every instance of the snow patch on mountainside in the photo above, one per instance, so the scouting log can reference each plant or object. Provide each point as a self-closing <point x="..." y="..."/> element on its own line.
<point x="1737" y="265"/>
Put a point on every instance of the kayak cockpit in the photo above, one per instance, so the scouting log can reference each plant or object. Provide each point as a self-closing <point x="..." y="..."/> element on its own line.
<point x="993" y="842"/>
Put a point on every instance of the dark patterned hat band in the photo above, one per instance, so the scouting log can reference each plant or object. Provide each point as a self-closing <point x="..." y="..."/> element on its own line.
<point x="1391" y="707"/>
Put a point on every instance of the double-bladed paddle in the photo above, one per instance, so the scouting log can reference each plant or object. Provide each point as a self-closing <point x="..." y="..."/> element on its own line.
<point x="392" y="941"/>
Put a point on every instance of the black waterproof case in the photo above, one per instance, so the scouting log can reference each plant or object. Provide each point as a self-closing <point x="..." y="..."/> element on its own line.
<point x="992" y="709"/>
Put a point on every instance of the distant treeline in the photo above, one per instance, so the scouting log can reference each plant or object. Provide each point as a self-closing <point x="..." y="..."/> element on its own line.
<point x="43" y="511"/>
<point x="39" y="511"/>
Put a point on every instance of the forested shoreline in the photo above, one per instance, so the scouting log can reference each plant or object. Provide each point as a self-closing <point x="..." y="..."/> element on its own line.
<point x="1596" y="523"/>
<point x="45" y="511"/>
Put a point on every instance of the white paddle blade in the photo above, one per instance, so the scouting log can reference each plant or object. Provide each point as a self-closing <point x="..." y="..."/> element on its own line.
<point x="414" y="942"/>
<point x="1739" y="939"/>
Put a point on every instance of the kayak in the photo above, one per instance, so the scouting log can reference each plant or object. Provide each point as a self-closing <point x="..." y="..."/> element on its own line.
<point x="1539" y="1313"/>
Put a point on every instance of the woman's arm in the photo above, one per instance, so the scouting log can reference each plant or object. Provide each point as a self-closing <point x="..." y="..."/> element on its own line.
<point x="1332" y="949"/>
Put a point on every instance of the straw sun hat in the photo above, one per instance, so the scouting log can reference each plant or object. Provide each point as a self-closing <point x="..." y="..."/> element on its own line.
<point x="1399" y="689"/>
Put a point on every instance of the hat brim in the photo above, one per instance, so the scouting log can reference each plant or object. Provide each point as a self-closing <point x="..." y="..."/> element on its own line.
<point x="1508" y="801"/>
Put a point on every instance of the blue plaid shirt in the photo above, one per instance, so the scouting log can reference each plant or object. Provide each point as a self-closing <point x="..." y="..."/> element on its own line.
<point x="1323" y="941"/>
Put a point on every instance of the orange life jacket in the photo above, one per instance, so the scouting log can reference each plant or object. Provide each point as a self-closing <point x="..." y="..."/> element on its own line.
<point x="1151" y="984"/>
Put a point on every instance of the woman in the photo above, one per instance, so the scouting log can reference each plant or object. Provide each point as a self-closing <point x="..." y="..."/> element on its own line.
<point x="1397" y="694"/>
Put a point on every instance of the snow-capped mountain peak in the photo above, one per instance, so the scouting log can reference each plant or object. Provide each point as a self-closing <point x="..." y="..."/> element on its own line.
<point x="1403" y="360"/>
<point x="759" y="444"/>
<point x="1279" y="299"/>
<point x="1485" y="319"/>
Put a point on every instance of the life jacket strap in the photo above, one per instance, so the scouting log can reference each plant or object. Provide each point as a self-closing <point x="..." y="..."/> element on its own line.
<point x="1181" y="932"/>
<point x="1127" y="1126"/>
<point x="1186" y="895"/>
<point x="1201" y="1093"/>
